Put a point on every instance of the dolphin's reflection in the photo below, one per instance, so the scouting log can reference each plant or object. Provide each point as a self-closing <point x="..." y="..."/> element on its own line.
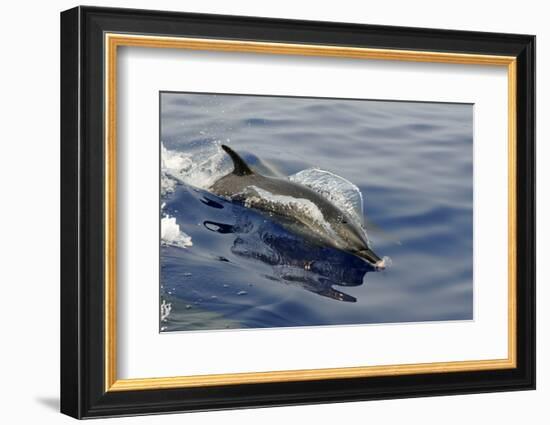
<point x="293" y="259"/>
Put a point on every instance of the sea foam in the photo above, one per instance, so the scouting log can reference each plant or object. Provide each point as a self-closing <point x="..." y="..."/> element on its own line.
<point x="172" y="235"/>
<point x="200" y="168"/>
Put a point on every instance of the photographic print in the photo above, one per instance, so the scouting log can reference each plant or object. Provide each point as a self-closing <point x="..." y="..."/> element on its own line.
<point x="287" y="211"/>
<point x="292" y="211"/>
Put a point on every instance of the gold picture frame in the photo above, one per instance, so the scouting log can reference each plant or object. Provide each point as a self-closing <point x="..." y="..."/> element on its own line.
<point x="114" y="41"/>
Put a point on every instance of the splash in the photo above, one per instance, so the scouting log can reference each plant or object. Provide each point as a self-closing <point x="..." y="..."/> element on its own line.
<point x="172" y="235"/>
<point x="199" y="166"/>
<point x="165" y="309"/>
<point x="341" y="192"/>
<point x="387" y="262"/>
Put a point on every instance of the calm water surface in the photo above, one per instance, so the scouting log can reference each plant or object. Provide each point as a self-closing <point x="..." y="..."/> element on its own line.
<point x="234" y="267"/>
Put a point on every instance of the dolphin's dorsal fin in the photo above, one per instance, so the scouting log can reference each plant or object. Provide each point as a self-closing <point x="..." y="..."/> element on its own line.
<point x="240" y="168"/>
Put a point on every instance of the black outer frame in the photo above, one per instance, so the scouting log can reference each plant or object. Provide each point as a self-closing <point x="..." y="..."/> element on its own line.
<point x="82" y="206"/>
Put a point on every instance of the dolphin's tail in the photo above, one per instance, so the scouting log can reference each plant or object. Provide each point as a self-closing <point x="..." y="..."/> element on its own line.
<point x="240" y="168"/>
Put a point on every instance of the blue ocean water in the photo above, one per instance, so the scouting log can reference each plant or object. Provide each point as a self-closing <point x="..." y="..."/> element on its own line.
<point x="227" y="266"/>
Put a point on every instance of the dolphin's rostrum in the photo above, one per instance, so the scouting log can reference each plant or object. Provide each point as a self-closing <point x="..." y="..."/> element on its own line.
<point x="298" y="207"/>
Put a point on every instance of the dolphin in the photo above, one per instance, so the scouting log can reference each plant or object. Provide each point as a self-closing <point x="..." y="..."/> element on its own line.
<point x="299" y="208"/>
